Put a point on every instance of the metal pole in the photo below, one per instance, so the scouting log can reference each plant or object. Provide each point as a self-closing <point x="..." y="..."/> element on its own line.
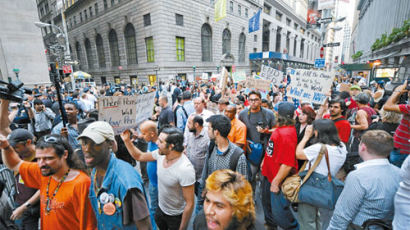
<point x="67" y="44"/>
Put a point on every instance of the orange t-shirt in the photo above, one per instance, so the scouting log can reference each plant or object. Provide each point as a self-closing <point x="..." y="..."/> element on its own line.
<point x="237" y="135"/>
<point x="70" y="208"/>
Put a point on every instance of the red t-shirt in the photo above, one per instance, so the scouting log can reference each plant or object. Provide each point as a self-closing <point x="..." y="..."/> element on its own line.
<point x="281" y="149"/>
<point x="343" y="128"/>
<point x="402" y="135"/>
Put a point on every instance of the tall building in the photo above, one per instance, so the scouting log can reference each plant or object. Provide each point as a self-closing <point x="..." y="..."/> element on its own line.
<point x="286" y="41"/>
<point x="21" y="49"/>
<point x="375" y="18"/>
<point x="137" y="41"/>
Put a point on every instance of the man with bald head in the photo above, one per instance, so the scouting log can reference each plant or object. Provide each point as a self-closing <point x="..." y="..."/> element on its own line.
<point x="237" y="135"/>
<point x="149" y="132"/>
<point x="166" y="117"/>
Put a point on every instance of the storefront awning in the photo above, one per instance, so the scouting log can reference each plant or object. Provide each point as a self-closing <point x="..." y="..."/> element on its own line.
<point x="355" y="67"/>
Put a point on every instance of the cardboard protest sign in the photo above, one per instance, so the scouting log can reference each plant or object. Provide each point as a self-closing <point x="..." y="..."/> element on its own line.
<point x="239" y="76"/>
<point x="344" y="87"/>
<point x="258" y="84"/>
<point x="271" y="74"/>
<point x="310" y="85"/>
<point x="124" y="112"/>
<point x="224" y="79"/>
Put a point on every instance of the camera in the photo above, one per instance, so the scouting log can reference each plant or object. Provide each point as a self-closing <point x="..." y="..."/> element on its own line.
<point x="13" y="91"/>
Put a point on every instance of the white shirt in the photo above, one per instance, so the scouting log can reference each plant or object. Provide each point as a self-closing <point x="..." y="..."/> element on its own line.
<point x="170" y="183"/>
<point x="337" y="157"/>
<point x="372" y="162"/>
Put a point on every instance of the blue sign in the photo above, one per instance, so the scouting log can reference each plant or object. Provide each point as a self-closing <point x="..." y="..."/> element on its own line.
<point x="319" y="62"/>
<point x="254" y="22"/>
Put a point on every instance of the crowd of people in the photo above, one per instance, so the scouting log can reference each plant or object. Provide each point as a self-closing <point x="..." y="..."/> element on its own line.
<point x="203" y="154"/>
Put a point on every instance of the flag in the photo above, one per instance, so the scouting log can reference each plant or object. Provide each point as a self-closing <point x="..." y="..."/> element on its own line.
<point x="220" y="10"/>
<point x="254" y="22"/>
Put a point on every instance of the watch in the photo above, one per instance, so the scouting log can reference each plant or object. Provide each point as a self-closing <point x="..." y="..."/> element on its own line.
<point x="28" y="205"/>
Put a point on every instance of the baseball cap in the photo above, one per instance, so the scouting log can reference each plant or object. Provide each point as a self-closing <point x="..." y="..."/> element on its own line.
<point x="19" y="135"/>
<point x="355" y="87"/>
<point x="98" y="131"/>
<point x="286" y="109"/>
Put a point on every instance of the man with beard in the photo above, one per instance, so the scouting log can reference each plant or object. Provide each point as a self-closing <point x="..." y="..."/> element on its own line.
<point x="337" y="110"/>
<point x="176" y="178"/>
<point x="71" y="130"/>
<point x="197" y="146"/>
<point x="116" y="192"/>
<point x="63" y="187"/>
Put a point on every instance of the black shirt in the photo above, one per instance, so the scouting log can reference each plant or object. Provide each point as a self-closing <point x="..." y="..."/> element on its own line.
<point x="165" y="117"/>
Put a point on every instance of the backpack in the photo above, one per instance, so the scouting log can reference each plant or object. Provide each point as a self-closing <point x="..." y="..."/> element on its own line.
<point x="183" y="110"/>
<point x="233" y="160"/>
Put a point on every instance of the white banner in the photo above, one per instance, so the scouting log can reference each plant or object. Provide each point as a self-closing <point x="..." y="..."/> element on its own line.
<point x="271" y="74"/>
<point x="125" y="112"/>
<point x="310" y="85"/>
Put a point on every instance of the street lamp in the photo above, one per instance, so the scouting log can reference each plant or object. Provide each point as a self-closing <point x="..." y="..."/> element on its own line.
<point x="336" y="28"/>
<point x="43" y="25"/>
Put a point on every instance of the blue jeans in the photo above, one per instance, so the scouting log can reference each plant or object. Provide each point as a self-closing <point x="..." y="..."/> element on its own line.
<point x="153" y="197"/>
<point x="281" y="213"/>
<point x="397" y="158"/>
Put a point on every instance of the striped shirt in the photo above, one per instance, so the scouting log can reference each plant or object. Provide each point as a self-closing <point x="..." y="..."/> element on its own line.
<point x="402" y="135"/>
<point x="368" y="194"/>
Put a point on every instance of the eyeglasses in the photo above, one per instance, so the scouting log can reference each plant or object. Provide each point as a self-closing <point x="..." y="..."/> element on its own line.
<point x="254" y="100"/>
<point x="51" y="139"/>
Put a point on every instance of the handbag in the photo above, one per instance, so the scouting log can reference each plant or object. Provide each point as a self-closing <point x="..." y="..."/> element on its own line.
<point x="291" y="185"/>
<point x="320" y="190"/>
<point x="256" y="155"/>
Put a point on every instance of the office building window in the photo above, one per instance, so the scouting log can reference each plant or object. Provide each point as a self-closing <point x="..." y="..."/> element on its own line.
<point x="85" y="15"/>
<point x="302" y="48"/>
<point x="96" y="8"/>
<point x="267" y="9"/>
<point x="179" y="20"/>
<point x="278" y="16"/>
<point x="206" y="42"/>
<point x="288" y="21"/>
<point x="81" y="17"/>
<point x="239" y="10"/>
<point x="112" y="2"/>
<point x="105" y="4"/>
<point x="130" y="43"/>
<point x="288" y="41"/>
<point x="246" y="13"/>
<point x="147" y="19"/>
<point x="231" y="6"/>
<point x="278" y="38"/>
<point x="226" y="41"/>
<point x="294" y="46"/>
<point x="255" y="38"/>
<point x="149" y="43"/>
<point x="100" y="50"/>
<point x="265" y="36"/>
<point x="90" y="9"/>
<point x="114" y="50"/>
<point x="180" y="47"/>
<point x="295" y="26"/>
<point x="89" y="54"/>
<point x="78" y="51"/>
<point x="241" y="52"/>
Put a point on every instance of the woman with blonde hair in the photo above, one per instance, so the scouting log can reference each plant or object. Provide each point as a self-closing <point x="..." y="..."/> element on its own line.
<point x="228" y="203"/>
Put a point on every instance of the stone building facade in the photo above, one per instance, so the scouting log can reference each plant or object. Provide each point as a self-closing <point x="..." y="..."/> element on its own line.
<point x="133" y="41"/>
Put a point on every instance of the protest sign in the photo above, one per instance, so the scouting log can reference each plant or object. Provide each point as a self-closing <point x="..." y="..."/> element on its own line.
<point x="124" y="112"/>
<point x="271" y="74"/>
<point x="344" y="87"/>
<point x="258" y="84"/>
<point x="239" y="76"/>
<point x="310" y="85"/>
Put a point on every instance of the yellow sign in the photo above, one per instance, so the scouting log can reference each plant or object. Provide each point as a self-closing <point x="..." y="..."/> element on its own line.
<point x="220" y="10"/>
<point x="152" y="79"/>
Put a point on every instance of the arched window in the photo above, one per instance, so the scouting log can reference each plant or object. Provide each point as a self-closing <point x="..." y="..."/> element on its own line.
<point x="78" y="51"/>
<point x="89" y="54"/>
<point x="130" y="44"/>
<point x="100" y="50"/>
<point x="114" y="51"/>
<point x="226" y="41"/>
<point x="206" y="42"/>
<point x="241" y="53"/>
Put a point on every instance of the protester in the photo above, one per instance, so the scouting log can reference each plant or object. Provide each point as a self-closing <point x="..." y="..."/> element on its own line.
<point x="43" y="118"/>
<point x="369" y="190"/>
<point x="402" y="135"/>
<point x="402" y="199"/>
<point x="197" y="144"/>
<point x="237" y="135"/>
<point x="258" y="121"/>
<point x="176" y="178"/>
<point x="279" y="161"/>
<point x="184" y="110"/>
<point x="63" y="187"/>
<point x="116" y="191"/>
<point x="325" y="133"/>
<point x="228" y="203"/>
<point x="166" y="116"/>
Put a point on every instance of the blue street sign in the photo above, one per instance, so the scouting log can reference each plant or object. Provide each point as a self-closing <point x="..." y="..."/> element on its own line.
<point x="319" y="62"/>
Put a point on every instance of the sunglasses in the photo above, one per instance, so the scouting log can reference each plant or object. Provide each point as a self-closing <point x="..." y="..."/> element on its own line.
<point x="51" y="139"/>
